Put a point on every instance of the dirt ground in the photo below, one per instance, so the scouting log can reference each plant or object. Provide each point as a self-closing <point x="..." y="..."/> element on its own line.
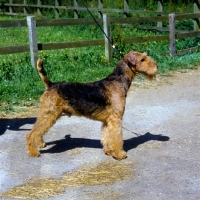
<point x="161" y="129"/>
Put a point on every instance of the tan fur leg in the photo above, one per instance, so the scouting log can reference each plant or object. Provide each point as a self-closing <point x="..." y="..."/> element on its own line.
<point x="112" y="139"/>
<point x="49" y="112"/>
<point x="104" y="141"/>
<point x="34" y="138"/>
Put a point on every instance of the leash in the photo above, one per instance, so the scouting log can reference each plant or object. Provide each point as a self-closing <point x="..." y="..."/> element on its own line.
<point x="110" y="41"/>
<point x="113" y="46"/>
<point x="131" y="131"/>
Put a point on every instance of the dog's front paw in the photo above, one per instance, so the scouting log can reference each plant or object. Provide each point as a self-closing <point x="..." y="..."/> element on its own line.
<point x="120" y="155"/>
<point x="108" y="152"/>
<point x="33" y="153"/>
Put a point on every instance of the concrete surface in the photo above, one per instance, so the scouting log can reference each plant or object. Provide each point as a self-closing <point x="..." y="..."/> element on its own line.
<point x="165" y="155"/>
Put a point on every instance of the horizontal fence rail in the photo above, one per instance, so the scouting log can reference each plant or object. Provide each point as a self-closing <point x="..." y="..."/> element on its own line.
<point x="34" y="47"/>
<point x="80" y="9"/>
<point x="76" y="8"/>
<point x="71" y="22"/>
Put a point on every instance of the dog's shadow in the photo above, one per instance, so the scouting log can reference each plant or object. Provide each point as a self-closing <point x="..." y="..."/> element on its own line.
<point x="15" y="124"/>
<point x="69" y="143"/>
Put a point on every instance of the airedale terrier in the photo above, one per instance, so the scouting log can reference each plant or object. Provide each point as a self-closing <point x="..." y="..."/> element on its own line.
<point x="102" y="100"/>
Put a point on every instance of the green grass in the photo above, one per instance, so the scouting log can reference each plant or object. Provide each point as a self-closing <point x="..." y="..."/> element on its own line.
<point x="20" y="83"/>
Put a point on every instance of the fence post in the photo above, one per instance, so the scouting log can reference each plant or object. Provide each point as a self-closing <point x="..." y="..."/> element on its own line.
<point x="57" y="3"/>
<point x="10" y="7"/>
<point x="25" y="10"/>
<point x="160" y="9"/>
<point x="172" y="47"/>
<point x="196" y="10"/>
<point x="38" y="8"/>
<point x="107" y="31"/>
<point x="126" y="8"/>
<point x="31" y="22"/>
<point x="100" y="6"/>
<point x="76" y="15"/>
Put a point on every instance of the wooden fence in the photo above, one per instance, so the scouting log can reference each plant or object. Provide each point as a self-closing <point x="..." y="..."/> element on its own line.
<point x="24" y="9"/>
<point x="34" y="47"/>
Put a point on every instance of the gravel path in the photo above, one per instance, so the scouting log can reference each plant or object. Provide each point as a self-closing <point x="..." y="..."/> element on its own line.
<point x="163" y="158"/>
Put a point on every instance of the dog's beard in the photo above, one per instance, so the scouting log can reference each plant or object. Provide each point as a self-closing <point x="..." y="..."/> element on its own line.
<point x="150" y="77"/>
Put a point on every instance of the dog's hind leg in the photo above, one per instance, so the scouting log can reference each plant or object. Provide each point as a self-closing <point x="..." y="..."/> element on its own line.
<point x="50" y="111"/>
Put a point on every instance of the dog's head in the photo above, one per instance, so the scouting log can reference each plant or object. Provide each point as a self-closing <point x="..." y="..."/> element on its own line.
<point x="141" y="63"/>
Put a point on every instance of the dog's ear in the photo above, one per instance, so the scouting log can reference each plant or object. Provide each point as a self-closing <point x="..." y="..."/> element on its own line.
<point x="131" y="57"/>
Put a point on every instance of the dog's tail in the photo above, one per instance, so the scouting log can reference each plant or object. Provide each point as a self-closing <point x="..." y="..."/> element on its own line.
<point x="43" y="74"/>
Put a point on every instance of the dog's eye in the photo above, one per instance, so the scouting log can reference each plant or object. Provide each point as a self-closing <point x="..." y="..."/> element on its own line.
<point x="142" y="60"/>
